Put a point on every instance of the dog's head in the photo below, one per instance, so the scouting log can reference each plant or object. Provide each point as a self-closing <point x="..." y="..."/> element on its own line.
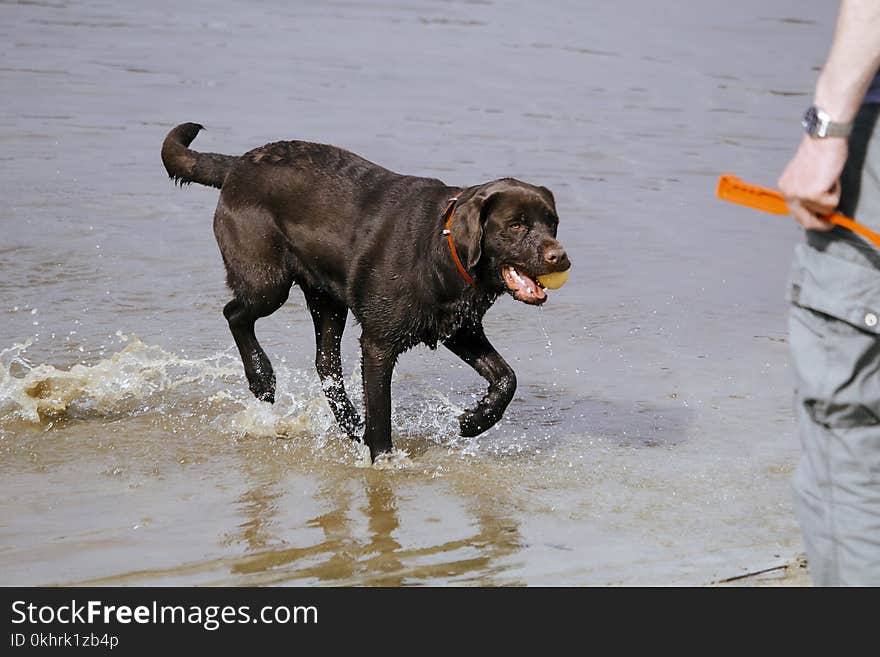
<point x="505" y="231"/>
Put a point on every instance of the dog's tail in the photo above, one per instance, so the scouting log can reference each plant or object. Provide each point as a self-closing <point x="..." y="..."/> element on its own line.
<point x="186" y="166"/>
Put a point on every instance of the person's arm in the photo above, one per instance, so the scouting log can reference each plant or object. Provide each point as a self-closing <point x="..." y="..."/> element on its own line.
<point x="811" y="181"/>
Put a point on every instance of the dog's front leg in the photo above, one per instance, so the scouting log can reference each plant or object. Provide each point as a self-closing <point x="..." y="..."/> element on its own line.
<point x="473" y="347"/>
<point x="378" y="364"/>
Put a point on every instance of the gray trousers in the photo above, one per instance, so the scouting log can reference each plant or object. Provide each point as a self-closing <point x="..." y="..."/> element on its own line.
<point x="834" y="331"/>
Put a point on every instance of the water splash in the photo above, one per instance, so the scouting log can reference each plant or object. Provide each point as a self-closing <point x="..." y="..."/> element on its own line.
<point x="211" y="395"/>
<point x="133" y="374"/>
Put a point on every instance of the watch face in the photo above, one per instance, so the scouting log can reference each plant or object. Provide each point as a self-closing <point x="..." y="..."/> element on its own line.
<point x="811" y="121"/>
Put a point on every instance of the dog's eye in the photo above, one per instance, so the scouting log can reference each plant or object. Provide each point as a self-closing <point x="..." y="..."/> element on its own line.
<point x="517" y="225"/>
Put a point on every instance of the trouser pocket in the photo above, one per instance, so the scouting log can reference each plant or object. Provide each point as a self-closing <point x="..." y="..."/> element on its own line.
<point x="835" y="339"/>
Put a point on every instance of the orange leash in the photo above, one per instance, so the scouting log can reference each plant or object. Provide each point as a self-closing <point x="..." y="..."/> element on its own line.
<point x="731" y="188"/>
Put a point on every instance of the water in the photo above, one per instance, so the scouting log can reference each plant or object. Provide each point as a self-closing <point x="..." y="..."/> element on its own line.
<point x="651" y="438"/>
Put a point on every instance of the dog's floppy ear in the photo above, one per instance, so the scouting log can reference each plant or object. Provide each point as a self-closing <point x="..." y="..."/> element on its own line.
<point x="467" y="225"/>
<point x="548" y="196"/>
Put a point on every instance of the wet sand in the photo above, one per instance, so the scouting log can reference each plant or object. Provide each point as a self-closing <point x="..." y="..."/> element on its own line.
<point x="651" y="440"/>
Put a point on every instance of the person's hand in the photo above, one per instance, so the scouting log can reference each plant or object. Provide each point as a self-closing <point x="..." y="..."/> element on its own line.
<point x="811" y="181"/>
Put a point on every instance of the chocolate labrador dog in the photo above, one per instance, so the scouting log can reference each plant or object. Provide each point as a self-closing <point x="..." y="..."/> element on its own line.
<point x="416" y="261"/>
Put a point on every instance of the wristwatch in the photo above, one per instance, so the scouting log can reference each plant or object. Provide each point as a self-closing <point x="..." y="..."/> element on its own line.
<point x="818" y="123"/>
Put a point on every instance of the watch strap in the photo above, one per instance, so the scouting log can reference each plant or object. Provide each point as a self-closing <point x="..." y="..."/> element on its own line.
<point x="833" y="129"/>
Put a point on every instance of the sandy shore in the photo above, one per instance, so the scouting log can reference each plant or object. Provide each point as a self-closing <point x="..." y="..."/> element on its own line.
<point x="793" y="573"/>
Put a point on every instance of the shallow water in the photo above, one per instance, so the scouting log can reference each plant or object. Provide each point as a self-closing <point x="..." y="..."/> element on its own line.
<point x="651" y="439"/>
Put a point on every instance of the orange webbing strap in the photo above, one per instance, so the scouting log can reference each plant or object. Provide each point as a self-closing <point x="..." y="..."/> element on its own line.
<point x="731" y="188"/>
<point x="450" y="210"/>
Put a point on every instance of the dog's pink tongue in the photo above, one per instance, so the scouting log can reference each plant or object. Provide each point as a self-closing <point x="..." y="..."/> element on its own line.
<point x="523" y="287"/>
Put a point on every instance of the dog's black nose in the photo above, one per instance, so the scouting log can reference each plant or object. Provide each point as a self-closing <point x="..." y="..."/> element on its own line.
<point x="557" y="257"/>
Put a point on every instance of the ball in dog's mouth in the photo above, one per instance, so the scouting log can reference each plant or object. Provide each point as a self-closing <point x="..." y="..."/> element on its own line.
<point x="553" y="280"/>
<point x="523" y="286"/>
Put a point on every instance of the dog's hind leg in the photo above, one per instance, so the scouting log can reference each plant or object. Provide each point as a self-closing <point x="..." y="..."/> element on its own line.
<point x="259" y="273"/>
<point x="329" y="317"/>
<point x="242" y="315"/>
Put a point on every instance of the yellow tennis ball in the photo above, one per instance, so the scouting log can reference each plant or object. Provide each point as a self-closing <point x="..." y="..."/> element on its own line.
<point x="555" y="280"/>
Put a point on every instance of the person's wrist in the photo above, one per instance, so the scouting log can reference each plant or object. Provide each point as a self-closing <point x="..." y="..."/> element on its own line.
<point x="818" y="123"/>
<point x="838" y="101"/>
<point x="825" y="147"/>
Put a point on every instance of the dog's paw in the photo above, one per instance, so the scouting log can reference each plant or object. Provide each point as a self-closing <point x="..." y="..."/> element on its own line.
<point x="353" y="427"/>
<point x="472" y="423"/>
<point x="264" y="393"/>
<point x="347" y="419"/>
